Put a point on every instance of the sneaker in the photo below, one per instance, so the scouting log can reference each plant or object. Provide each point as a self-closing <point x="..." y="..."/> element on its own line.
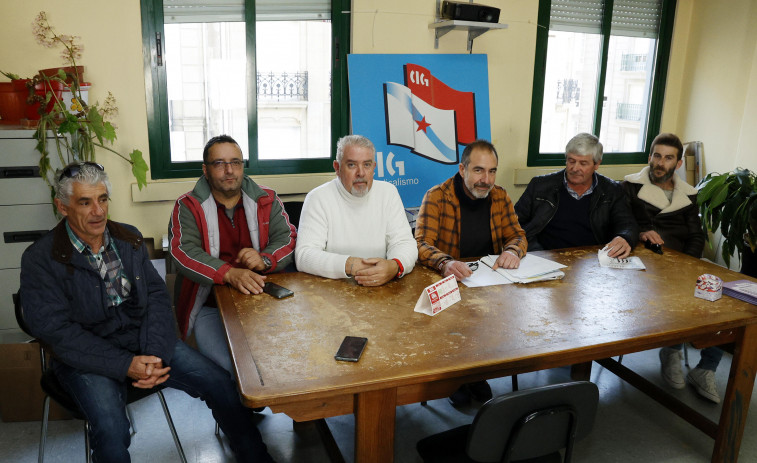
<point x="670" y="367"/>
<point x="704" y="382"/>
<point x="461" y="397"/>
<point x="480" y="391"/>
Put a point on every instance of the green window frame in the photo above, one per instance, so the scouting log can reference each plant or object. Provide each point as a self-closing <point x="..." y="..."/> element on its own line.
<point x="664" y="39"/>
<point x="161" y="166"/>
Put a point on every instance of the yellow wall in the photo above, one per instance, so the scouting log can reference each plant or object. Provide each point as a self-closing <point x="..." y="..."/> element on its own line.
<point x="720" y="82"/>
<point x="711" y="94"/>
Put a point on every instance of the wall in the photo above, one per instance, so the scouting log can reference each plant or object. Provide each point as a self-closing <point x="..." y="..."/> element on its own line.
<point x="719" y="95"/>
<point x="708" y="98"/>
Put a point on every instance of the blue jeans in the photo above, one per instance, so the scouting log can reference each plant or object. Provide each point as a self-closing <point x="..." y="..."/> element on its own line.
<point x="102" y="400"/>
<point x="709" y="357"/>
<point x="210" y="335"/>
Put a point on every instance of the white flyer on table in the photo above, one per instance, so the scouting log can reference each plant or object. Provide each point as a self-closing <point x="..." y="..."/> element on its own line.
<point x="629" y="263"/>
<point x="438" y="296"/>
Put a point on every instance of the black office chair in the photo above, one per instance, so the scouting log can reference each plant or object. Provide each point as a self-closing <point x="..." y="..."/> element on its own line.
<point x="531" y="426"/>
<point x="53" y="389"/>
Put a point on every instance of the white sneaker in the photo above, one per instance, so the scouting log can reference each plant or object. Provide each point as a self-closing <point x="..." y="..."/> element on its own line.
<point x="670" y="367"/>
<point x="704" y="382"/>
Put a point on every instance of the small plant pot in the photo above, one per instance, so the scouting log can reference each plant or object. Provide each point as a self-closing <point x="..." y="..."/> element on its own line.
<point x="13" y="101"/>
<point x="68" y="97"/>
<point x="40" y="90"/>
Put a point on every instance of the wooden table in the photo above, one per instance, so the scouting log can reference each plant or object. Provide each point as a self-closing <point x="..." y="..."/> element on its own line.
<point x="283" y="350"/>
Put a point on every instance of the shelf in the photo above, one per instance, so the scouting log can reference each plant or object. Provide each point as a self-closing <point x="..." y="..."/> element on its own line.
<point x="474" y="29"/>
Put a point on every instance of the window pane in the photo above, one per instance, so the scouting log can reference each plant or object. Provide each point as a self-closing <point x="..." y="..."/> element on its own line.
<point x="205" y="74"/>
<point x="294" y="89"/>
<point x="628" y="87"/>
<point x="569" y="88"/>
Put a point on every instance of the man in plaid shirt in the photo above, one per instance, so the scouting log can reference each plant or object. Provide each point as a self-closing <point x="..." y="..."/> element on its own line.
<point x="469" y="216"/>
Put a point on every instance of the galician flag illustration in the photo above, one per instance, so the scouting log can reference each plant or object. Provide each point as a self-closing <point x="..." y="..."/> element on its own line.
<point x="427" y="116"/>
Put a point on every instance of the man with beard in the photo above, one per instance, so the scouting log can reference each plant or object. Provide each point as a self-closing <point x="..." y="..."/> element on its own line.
<point x="227" y="230"/>
<point x="353" y="226"/>
<point x="469" y="216"/>
<point x="665" y="208"/>
<point x="577" y="206"/>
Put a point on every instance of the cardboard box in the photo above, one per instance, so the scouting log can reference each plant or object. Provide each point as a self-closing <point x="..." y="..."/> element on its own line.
<point x="21" y="396"/>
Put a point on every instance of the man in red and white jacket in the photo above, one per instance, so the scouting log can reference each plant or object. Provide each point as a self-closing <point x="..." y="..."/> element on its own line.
<point x="227" y="230"/>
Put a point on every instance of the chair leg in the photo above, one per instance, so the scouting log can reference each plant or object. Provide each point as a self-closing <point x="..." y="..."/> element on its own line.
<point x="171" y="426"/>
<point x="515" y="382"/>
<point x="43" y="431"/>
<point x="86" y="442"/>
<point x="132" y="422"/>
<point x="686" y="356"/>
<point x="218" y="429"/>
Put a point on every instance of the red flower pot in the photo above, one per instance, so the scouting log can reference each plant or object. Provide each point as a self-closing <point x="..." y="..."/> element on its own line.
<point x="41" y="89"/>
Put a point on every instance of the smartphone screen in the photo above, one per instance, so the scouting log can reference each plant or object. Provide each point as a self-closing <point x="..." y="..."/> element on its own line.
<point x="351" y="349"/>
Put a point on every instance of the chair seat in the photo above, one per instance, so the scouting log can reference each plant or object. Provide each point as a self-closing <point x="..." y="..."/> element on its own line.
<point x="449" y="447"/>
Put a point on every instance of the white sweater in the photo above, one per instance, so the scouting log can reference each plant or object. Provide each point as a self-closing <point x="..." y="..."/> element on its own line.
<point x="335" y="225"/>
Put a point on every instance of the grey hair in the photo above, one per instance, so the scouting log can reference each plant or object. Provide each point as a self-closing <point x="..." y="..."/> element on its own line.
<point x="352" y="140"/>
<point x="87" y="175"/>
<point x="585" y="144"/>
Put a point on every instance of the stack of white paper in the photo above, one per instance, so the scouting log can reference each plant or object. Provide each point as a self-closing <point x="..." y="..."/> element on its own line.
<point x="532" y="268"/>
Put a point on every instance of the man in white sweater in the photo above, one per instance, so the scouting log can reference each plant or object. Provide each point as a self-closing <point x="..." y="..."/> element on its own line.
<point x="354" y="226"/>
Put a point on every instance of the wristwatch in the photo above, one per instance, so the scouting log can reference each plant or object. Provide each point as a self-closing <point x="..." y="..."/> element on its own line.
<point x="267" y="263"/>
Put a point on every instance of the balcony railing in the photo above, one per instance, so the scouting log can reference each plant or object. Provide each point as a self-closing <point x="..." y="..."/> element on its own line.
<point x="288" y="86"/>
<point x="633" y="62"/>
<point x="568" y="91"/>
<point x="629" y="112"/>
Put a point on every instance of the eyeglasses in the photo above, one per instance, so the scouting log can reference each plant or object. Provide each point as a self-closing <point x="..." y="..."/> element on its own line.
<point x="473" y="265"/>
<point x="220" y="165"/>
<point x="74" y="169"/>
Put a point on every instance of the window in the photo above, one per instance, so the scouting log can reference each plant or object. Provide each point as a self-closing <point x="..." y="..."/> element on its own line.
<point x="600" y="68"/>
<point x="270" y="74"/>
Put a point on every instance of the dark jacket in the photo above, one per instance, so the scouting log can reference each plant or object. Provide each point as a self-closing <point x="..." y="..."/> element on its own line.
<point x="65" y="304"/>
<point x="676" y="221"/>
<point x="608" y="212"/>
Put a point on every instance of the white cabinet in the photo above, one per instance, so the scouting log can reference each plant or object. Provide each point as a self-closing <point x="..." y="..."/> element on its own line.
<point x="26" y="212"/>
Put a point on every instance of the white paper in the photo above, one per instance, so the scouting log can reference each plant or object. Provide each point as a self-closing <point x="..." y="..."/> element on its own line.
<point x="629" y="263"/>
<point x="532" y="268"/>
<point x="438" y="296"/>
<point x="485" y="276"/>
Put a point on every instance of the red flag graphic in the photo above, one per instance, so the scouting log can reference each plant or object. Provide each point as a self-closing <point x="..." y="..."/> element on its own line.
<point x="436" y="93"/>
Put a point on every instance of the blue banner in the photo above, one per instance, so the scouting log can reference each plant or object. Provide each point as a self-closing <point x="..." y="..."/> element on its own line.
<point x="420" y="111"/>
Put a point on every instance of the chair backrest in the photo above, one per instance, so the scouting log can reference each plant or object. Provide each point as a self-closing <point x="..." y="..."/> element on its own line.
<point x="533" y="422"/>
<point x="20" y="314"/>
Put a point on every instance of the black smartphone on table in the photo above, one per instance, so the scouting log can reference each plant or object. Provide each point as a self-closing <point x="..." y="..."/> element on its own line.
<point x="279" y="292"/>
<point x="351" y="349"/>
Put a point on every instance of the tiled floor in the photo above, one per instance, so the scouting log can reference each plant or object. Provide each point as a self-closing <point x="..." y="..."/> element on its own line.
<point x="630" y="427"/>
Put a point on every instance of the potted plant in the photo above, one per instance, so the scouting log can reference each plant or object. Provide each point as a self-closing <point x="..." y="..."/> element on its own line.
<point x="80" y="129"/>
<point x="13" y="96"/>
<point x="729" y="201"/>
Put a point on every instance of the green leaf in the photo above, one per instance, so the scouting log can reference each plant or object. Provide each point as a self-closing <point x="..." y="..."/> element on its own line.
<point x="708" y="185"/>
<point x="139" y="168"/>
<point x="69" y="125"/>
<point x="96" y="123"/>
<point x="719" y="196"/>
<point x="110" y="132"/>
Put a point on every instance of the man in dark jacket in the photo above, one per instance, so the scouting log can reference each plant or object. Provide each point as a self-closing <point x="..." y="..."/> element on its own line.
<point x="577" y="206"/>
<point x="90" y="292"/>
<point x="666" y="210"/>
